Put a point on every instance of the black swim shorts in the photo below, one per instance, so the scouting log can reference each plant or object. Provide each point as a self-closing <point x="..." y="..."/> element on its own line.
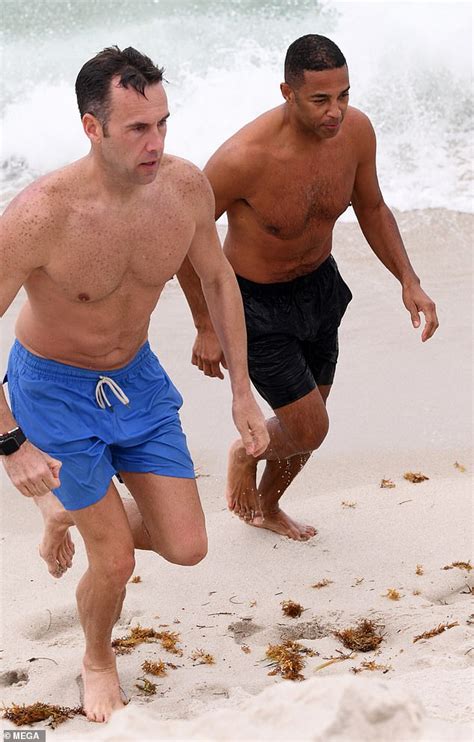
<point x="292" y="332"/>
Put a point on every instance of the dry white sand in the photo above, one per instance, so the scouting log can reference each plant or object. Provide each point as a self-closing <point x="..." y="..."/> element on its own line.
<point x="397" y="406"/>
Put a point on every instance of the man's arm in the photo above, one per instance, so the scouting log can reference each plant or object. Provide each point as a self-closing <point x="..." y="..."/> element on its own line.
<point x="207" y="352"/>
<point x="31" y="471"/>
<point x="381" y="232"/>
<point x="223" y="173"/>
<point x="222" y="296"/>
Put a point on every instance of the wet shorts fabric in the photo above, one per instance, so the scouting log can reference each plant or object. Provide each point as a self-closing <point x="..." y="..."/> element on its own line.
<point x="292" y="332"/>
<point x="56" y="406"/>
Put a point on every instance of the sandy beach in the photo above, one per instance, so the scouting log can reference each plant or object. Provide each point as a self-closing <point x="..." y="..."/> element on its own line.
<point x="397" y="406"/>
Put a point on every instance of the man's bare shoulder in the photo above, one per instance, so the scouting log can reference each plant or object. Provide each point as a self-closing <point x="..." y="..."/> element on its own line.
<point x="187" y="181"/>
<point x="359" y="125"/>
<point x="247" y="150"/>
<point x="43" y="205"/>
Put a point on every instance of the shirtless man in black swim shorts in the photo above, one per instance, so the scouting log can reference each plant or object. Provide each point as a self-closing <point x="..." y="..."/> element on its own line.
<point x="283" y="180"/>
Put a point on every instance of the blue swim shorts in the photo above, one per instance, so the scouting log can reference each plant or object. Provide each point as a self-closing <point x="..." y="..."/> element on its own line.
<point x="98" y="423"/>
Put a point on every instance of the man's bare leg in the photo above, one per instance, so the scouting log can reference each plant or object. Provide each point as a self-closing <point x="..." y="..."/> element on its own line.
<point x="171" y="508"/>
<point x="100" y="596"/>
<point x="296" y="430"/>
<point x="56" y="548"/>
<point x="276" y="478"/>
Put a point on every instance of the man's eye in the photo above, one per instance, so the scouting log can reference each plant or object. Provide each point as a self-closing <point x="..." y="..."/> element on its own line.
<point x="140" y="127"/>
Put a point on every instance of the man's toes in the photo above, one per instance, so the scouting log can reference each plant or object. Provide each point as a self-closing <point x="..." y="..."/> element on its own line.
<point x="62" y="559"/>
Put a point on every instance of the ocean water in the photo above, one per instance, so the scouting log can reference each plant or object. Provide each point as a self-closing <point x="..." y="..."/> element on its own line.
<point x="409" y="64"/>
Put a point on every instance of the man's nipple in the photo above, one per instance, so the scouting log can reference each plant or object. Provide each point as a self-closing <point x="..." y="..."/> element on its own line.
<point x="84" y="297"/>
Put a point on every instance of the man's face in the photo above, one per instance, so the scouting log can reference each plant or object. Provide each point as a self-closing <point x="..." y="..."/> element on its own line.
<point x="136" y="130"/>
<point x="320" y="102"/>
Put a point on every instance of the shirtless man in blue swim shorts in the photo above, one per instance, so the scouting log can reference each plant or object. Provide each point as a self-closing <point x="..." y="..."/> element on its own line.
<point x="94" y="244"/>
<point x="283" y="180"/>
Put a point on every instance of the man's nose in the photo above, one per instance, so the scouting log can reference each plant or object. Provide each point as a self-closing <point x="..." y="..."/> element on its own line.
<point x="335" y="110"/>
<point x="155" y="142"/>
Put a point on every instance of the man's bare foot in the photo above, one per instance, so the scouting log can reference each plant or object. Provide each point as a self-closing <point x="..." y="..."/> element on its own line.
<point x="56" y="548"/>
<point x="281" y="523"/>
<point x="102" y="693"/>
<point x="241" y="492"/>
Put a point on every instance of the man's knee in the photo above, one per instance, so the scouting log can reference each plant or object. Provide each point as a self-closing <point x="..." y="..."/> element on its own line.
<point x="187" y="553"/>
<point x="311" y="433"/>
<point x="116" y="570"/>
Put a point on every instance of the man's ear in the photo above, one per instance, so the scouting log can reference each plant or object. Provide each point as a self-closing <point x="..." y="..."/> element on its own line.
<point x="287" y="92"/>
<point x="93" y="128"/>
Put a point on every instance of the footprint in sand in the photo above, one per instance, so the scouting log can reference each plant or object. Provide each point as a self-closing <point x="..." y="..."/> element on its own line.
<point x="13" y="677"/>
<point x="305" y="630"/>
<point x="243" y="629"/>
<point x="48" y="623"/>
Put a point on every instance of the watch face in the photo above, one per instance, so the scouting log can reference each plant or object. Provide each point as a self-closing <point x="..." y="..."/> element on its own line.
<point x="9" y="446"/>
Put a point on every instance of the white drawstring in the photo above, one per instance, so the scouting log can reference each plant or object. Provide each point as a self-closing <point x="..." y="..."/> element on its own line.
<point x="101" y="396"/>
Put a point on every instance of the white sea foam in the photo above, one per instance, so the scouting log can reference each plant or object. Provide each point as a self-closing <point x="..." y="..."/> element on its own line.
<point x="409" y="66"/>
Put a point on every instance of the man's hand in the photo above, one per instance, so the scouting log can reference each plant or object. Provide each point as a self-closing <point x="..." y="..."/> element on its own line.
<point x="417" y="301"/>
<point x="207" y="353"/>
<point x="250" y="423"/>
<point x="32" y="471"/>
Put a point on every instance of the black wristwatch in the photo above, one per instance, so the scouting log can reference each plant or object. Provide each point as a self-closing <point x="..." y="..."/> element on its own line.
<point x="10" y="442"/>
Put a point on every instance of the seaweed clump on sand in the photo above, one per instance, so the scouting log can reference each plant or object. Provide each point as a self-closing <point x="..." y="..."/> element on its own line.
<point x="25" y="715"/>
<point x="140" y="635"/>
<point x="322" y="583"/>
<point x="460" y="565"/>
<point x="147" y="687"/>
<point x="287" y="659"/>
<point x="362" y="638"/>
<point x="155" y="668"/>
<point x="200" y="657"/>
<point x="434" y="632"/>
<point x="415" y="477"/>
<point x="291" y="609"/>
<point x="392" y="594"/>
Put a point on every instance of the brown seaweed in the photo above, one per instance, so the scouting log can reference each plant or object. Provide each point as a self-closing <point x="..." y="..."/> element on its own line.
<point x="415" y="477"/>
<point x="139" y="635"/>
<point x="22" y="715"/>
<point x="434" y="632"/>
<point x="200" y="657"/>
<point x="291" y="609"/>
<point x="287" y="659"/>
<point x="363" y="637"/>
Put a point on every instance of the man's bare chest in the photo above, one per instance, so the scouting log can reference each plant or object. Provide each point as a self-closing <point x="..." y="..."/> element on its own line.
<point x="99" y="258"/>
<point x="297" y="200"/>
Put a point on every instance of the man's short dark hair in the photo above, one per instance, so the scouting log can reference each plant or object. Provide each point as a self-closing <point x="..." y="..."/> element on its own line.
<point x="311" y="52"/>
<point x="134" y="69"/>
